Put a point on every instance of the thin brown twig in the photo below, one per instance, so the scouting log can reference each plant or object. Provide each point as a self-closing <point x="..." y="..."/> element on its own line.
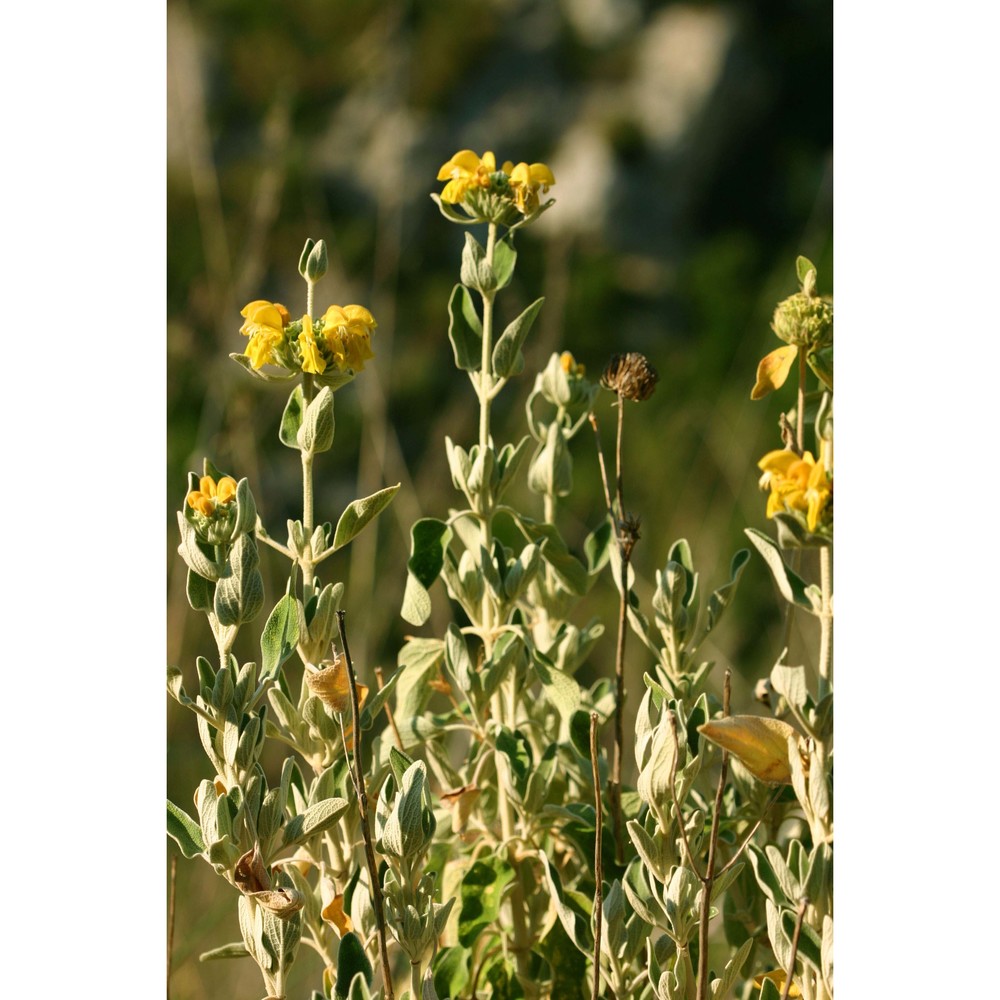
<point x="359" y="781"/>
<point x="388" y="710"/>
<point x="746" y="840"/>
<point x="624" y="552"/>
<point x="171" y="913"/>
<point x="600" y="462"/>
<point x="598" y="860"/>
<point x="713" y="843"/>
<point x="803" y="903"/>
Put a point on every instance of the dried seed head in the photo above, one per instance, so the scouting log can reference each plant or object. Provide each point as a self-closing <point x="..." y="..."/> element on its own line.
<point x="282" y="902"/>
<point x="331" y="685"/>
<point x="631" y="376"/>
<point x="250" y="874"/>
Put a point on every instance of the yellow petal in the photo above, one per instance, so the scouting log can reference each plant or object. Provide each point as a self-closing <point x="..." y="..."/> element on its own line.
<point x="334" y="913"/>
<point x="778" y="978"/>
<point x="226" y="489"/>
<point x="540" y="174"/>
<point x="489" y="162"/>
<point x="773" y="370"/>
<point x="454" y="191"/>
<point x="359" y="314"/>
<point x="758" y="742"/>
<point x="778" y="461"/>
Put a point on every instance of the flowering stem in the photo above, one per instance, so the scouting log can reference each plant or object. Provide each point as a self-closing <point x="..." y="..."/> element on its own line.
<point x="826" y="620"/>
<point x="800" y="429"/>
<point x="625" y="552"/>
<point x="359" y="782"/>
<point x="307" y="563"/>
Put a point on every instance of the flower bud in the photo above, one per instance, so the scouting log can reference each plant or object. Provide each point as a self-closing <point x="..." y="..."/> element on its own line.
<point x="804" y="320"/>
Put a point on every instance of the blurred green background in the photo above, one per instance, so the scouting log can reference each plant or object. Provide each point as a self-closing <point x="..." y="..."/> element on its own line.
<point x="692" y="149"/>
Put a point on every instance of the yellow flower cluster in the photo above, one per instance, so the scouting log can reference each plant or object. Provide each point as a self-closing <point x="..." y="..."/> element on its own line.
<point x="797" y="484"/>
<point x="343" y="340"/>
<point x="211" y="495"/>
<point x="467" y="172"/>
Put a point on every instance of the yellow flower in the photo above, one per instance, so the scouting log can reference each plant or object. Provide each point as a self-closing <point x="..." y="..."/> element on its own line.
<point x="525" y="182"/>
<point x="568" y="364"/>
<point x="210" y="495"/>
<point x="312" y="361"/>
<point x="797" y="484"/>
<point x="348" y="331"/>
<point x="464" y="170"/>
<point x="264" y="323"/>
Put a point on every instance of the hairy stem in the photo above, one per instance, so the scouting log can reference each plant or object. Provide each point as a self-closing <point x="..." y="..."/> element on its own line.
<point x="359" y="782"/>
<point x="709" y="877"/>
<point x="826" y="621"/>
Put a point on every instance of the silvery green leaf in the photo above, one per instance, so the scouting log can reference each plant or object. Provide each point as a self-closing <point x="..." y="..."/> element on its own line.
<point x="429" y="541"/>
<point x="317" y="818"/>
<point x="207" y="735"/>
<point x="721" y="598"/>
<point x="561" y="689"/>
<point x="790" y="885"/>
<point x="654" y="780"/>
<point x="291" y="419"/>
<point x="247" y="744"/>
<point x="185" y="831"/>
<point x="359" y="513"/>
<point x="465" y="330"/>
<point x="460" y="465"/>
<point x="574" y="923"/>
<point x="810" y="945"/>
<point x="791" y="586"/>
<point x="237" y="949"/>
<point x="679" y="898"/>
<point x="270" y="816"/>
<point x="246" y="508"/>
<point x="613" y="934"/>
<point x="722" y="986"/>
<point x="648" y="848"/>
<point x="781" y="943"/>
<point x="200" y="591"/>
<point x="279" y="637"/>
<point x="568" y="569"/>
<point x="504" y="260"/>
<point x="507" y="357"/>
<point x="724" y="881"/>
<point x="192" y="553"/>
<point x="314" y="712"/>
<point x="175" y="685"/>
<point x="818" y="882"/>
<point x="457" y="658"/>
<point x="790" y="683"/>
<point x="476" y="272"/>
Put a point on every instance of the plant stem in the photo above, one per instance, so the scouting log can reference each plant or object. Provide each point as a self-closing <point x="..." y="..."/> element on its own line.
<point x="307" y="481"/>
<point x="826" y="621"/>
<point x="415" y="990"/>
<point x="803" y="903"/>
<point x="171" y="913"/>
<point x="625" y="553"/>
<point x="359" y="783"/>
<point x="598" y="861"/>
<point x="709" y="877"/>
<point x="800" y="429"/>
